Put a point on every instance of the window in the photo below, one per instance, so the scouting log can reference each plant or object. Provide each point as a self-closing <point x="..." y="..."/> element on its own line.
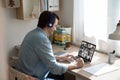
<point x="90" y="20"/>
<point x="94" y="20"/>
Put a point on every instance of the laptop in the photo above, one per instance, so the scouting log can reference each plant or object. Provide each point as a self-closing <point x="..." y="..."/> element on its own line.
<point x="86" y="51"/>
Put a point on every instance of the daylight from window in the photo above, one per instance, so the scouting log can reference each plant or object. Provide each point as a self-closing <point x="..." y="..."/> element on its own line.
<point x="95" y="18"/>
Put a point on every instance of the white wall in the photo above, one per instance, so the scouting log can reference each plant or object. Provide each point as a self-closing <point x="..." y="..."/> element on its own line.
<point x="66" y="12"/>
<point x="15" y="29"/>
<point x="3" y="55"/>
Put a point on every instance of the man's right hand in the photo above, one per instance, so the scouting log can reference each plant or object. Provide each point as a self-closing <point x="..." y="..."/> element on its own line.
<point x="78" y="63"/>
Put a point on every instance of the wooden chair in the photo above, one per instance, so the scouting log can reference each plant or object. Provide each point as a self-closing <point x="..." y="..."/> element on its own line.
<point x="17" y="75"/>
<point x="14" y="74"/>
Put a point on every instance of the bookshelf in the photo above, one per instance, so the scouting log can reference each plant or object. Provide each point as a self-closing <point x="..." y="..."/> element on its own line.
<point x="31" y="9"/>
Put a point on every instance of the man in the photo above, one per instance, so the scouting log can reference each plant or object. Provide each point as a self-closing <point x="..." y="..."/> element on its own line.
<point x="36" y="56"/>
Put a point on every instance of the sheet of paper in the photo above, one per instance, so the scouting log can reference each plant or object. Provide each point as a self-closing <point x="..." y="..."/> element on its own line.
<point x="100" y="69"/>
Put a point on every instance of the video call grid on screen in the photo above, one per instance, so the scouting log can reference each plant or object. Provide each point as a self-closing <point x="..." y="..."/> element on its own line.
<point x="86" y="50"/>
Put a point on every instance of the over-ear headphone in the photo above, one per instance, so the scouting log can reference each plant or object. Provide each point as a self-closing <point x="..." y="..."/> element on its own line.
<point x="51" y="20"/>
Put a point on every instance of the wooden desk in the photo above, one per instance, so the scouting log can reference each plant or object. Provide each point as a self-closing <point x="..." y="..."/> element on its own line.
<point x="80" y="74"/>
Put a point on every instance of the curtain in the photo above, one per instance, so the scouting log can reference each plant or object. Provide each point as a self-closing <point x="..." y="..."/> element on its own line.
<point x="88" y="21"/>
<point x="78" y="22"/>
<point x="95" y="22"/>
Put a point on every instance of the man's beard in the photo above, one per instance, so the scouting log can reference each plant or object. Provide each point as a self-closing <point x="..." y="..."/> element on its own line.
<point x="50" y="32"/>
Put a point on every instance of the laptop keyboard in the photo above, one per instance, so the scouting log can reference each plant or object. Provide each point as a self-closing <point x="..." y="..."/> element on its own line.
<point x="76" y="57"/>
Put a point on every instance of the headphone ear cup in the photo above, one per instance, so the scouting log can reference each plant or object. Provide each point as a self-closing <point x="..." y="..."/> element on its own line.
<point x="49" y="25"/>
<point x="51" y="20"/>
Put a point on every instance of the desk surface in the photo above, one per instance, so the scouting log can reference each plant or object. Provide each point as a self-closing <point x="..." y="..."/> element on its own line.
<point x="97" y="59"/>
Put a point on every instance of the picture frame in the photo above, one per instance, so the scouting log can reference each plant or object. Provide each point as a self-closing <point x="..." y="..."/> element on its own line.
<point x="12" y="3"/>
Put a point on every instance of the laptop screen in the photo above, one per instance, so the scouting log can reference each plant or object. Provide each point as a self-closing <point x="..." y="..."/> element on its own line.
<point x="87" y="50"/>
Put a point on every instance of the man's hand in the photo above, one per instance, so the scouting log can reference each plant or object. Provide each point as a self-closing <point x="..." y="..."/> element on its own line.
<point x="67" y="58"/>
<point x="78" y="63"/>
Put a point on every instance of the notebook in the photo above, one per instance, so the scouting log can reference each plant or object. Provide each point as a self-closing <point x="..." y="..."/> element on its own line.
<point x="100" y="69"/>
<point x="86" y="51"/>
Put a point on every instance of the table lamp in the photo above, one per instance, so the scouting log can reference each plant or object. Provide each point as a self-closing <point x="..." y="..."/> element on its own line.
<point x="116" y="34"/>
